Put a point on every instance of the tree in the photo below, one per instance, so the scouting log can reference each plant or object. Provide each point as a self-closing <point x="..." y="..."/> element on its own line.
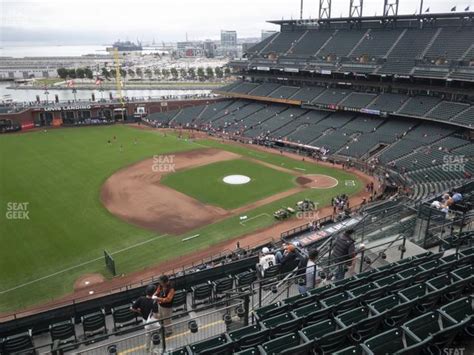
<point x="182" y="73"/>
<point x="62" y="73"/>
<point x="123" y="73"/>
<point x="71" y="73"/>
<point x="174" y="73"/>
<point x="219" y="72"/>
<point x="200" y="73"/>
<point x="148" y="73"/>
<point x="157" y="71"/>
<point x="209" y="73"/>
<point x="80" y="73"/>
<point x="227" y="71"/>
<point x="131" y="72"/>
<point x="112" y="73"/>
<point x="139" y="72"/>
<point x="105" y="73"/>
<point x="88" y="73"/>
<point x="165" y="72"/>
<point x="192" y="73"/>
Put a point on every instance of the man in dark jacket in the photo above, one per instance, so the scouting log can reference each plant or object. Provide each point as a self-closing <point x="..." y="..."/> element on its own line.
<point x="145" y="306"/>
<point x="343" y="254"/>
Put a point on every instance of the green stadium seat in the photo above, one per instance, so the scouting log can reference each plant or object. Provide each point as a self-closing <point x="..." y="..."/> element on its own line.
<point x="388" y="280"/>
<point x="18" y="344"/>
<point x="340" y="303"/>
<point x="362" y="321"/>
<point x="221" y="286"/>
<point x="465" y="273"/>
<point x="368" y="293"/>
<point x="202" y="292"/>
<point x="438" y="330"/>
<point x="451" y="287"/>
<point x="299" y="300"/>
<point x="179" y="351"/>
<point x="245" y="279"/>
<point x="282" y="324"/>
<point x="292" y="344"/>
<point x="416" y="274"/>
<point x="367" y="275"/>
<point x="327" y="336"/>
<point x="460" y="310"/>
<point x="312" y="313"/>
<point x="349" y="283"/>
<point x="180" y="301"/>
<point x="64" y="335"/>
<point x="270" y="310"/>
<point x="246" y="338"/>
<point x="325" y="291"/>
<point x="351" y="350"/>
<point x="394" y="309"/>
<point x="393" y="342"/>
<point x="123" y="317"/>
<point x="425" y="296"/>
<point x="221" y="345"/>
<point x="251" y="351"/>
<point x="94" y="325"/>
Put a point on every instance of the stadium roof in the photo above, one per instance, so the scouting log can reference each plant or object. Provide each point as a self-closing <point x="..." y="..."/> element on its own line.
<point x="427" y="16"/>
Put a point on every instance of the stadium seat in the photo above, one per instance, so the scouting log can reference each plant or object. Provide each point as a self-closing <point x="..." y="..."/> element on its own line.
<point x="270" y="310"/>
<point x="245" y="279"/>
<point x="179" y="351"/>
<point x="424" y="296"/>
<point x="325" y="291"/>
<point x="282" y="324"/>
<point x="327" y="336"/>
<point x="202" y="292"/>
<point x="270" y="275"/>
<point x="123" y="317"/>
<point x="434" y="327"/>
<point x="299" y="300"/>
<point x="415" y="274"/>
<point x="368" y="293"/>
<point x="94" y="326"/>
<point x="221" y="286"/>
<point x="451" y="287"/>
<point x="340" y="303"/>
<point x="393" y="283"/>
<point x="351" y="350"/>
<point x="248" y="337"/>
<point x="460" y="310"/>
<point x="221" y="345"/>
<point x="251" y="351"/>
<point x="180" y="301"/>
<point x="64" y="334"/>
<point x="393" y="341"/>
<point x="292" y="344"/>
<point x="349" y="283"/>
<point x="18" y="344"/>
<point x="312" y="313"/>
<point x="394" y="309"/>
<point x="362" y="321"/>
<point x="464" y="273"/>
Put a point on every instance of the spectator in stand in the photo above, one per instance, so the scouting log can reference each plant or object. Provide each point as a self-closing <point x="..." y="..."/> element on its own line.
<point x="343" y="254"/>
<point x="144" y="306"/>
<point x="164" y="296"/>
<point x="287" y="257"/>
<point x="266" y="260"/>
<point x="311" y="273"/>
<point x="457" y="197"/>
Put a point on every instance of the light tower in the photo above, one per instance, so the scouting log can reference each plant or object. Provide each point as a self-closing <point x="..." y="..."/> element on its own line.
<point x="355" y="8"/>
<point x="390" y="8"/>
<point x="324" y="9"/>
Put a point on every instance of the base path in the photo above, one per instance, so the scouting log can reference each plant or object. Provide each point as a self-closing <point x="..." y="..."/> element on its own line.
<point x="136" y="195"/>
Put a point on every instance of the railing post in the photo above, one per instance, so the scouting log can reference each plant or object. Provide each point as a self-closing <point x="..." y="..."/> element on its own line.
<point x="247" y="309"/>
<point x="403" y="247"/>
<point x="362" y="254"/>
<point x="163" y="337"/>
<point x="260" y="293"/>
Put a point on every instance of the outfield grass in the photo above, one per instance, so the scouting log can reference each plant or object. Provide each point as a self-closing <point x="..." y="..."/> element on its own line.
<point x="59" y="174"/>
<point x="205" y="183"/>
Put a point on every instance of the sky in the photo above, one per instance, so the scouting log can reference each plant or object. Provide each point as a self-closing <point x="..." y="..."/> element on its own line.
<point x="104" y="21"/>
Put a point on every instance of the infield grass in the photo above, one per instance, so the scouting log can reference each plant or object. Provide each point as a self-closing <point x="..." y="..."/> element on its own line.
<point x="205" y="183"/>
<point x="59" y="174"/>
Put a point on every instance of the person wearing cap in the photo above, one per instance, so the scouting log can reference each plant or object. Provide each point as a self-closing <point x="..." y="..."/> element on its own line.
<point x="266" y="260"/>
<point x="144" y="306"/>
<point x="164" y="296"/>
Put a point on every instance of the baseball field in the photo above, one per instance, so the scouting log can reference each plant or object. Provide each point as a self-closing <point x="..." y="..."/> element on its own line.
<point x="69" y="194"/>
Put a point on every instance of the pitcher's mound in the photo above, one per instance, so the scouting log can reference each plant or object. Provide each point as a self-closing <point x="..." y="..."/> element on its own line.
<point x="317" y="181"/>
<point x="88" y="280"/>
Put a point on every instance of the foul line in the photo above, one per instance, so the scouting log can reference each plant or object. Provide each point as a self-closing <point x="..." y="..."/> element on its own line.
<point x="79" y="265"/>
<point x="254" y="217"/>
